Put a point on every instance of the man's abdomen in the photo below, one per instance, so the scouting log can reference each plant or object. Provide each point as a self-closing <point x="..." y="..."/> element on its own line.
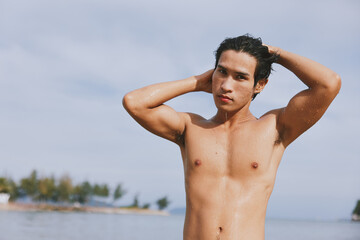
<point x="225" y="208"/>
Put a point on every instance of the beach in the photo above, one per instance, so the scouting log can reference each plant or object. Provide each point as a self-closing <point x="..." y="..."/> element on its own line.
<point x="78" y="208"/>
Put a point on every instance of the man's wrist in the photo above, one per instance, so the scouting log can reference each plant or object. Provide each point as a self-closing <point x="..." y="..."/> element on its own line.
<point x="276" y="50"/>
<point x="204" y="81"/>
<point x="192" y="84"/>
<point x="198" y="84"/>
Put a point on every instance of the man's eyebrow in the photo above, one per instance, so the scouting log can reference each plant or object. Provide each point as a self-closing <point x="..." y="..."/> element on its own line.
<point x="239" y="73"/>
<point x="242" y="73"/>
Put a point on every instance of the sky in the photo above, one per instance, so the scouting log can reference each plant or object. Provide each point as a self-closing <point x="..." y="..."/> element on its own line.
<point x="66" y="65"/>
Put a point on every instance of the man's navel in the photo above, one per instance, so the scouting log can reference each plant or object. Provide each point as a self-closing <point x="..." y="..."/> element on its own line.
<point x="218" y="233"/>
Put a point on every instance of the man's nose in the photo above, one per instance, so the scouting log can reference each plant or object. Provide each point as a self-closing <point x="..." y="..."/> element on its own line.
<point x="226" y="85"/>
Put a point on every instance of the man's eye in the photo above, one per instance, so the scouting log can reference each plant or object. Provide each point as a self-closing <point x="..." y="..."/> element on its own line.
<point x="240" y="77"/>
<point x="222" y="71"/>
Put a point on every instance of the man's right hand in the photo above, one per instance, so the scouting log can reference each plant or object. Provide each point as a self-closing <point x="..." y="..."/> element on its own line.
<point x="204" y="81"/>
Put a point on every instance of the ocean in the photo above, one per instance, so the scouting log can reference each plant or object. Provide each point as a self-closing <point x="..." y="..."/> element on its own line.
<point x="95" y="226"/>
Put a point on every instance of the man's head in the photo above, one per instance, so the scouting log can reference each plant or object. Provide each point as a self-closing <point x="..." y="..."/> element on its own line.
<point x="253" y="47"/>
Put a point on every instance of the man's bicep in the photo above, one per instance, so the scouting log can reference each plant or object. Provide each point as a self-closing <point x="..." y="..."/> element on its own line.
<point x="163" y="121"/>
<point x="302" y="111"/>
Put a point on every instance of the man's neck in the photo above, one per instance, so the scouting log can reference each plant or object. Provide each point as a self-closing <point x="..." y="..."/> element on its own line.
<point x="232" y="118"/>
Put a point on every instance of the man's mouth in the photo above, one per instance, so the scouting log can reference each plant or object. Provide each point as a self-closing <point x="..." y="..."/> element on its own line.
<point x="225" y="98"/>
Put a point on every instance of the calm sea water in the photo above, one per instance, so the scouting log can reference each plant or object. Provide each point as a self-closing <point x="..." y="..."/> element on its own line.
<point x="90" y="226"/>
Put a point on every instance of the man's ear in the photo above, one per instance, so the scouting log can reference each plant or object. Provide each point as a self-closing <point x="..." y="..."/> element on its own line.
<point x="260" y="85"/>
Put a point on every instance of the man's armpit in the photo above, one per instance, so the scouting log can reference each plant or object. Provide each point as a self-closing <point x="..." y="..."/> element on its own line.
<point x="180" y="138"/>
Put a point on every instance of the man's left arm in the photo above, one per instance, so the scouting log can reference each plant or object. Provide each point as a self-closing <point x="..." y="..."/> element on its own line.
<point x="308" y="106"/>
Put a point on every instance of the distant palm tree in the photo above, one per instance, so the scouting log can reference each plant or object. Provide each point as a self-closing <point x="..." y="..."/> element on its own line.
<point x="14" y="190"/>
<point x="4" y="186"/>
<point x="101" y="190"/>
<point x="119" y="192"/>
<point x="30" y="185"/>
<point x="64" y="189"/>
<point x="47" y="188"/>
<point x="82" y="192"/>
<point x="357" y="208"/>
<point x="146" y="206"/>
<point x="10" y="187"/>
<point x="163" y="203"/>
<point x="135" y="202"/>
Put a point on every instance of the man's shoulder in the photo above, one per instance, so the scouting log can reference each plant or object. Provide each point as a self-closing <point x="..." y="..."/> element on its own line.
<point x="272" y="114"/>
<point x="192" y="117"/>
<point x="270" y="120"/>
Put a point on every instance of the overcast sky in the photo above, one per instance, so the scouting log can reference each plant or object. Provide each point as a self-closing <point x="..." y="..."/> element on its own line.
<point x="65" y="66"/>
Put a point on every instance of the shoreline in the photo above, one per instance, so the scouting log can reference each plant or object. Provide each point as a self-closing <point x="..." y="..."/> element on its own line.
<point x="31" y="207"/>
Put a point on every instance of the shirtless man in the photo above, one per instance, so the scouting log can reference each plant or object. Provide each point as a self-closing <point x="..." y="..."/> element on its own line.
<point x="230" y="161"/>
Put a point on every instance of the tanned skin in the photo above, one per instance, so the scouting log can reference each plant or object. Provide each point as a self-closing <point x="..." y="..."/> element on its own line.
<point x="230" y="161"/>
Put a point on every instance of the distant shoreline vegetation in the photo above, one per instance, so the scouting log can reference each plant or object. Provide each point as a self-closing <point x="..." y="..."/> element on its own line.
<point x="62" y="191"/>
<point x="356" y="212"/>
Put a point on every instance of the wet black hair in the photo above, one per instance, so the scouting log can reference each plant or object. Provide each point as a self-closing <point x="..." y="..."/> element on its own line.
<point x="254" y="47"/>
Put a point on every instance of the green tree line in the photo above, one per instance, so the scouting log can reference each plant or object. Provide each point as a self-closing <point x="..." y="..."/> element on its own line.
<point x="47" y="189"/>
<point x="56" y="190"/>
<point x="357" y="208"/>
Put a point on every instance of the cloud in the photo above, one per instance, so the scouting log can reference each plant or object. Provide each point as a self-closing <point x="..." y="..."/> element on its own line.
<point x="64" y="67"/>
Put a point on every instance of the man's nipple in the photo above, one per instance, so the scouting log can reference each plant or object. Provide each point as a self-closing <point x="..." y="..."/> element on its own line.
<point x="254" y="164"/>
<point x="197" y="162"/>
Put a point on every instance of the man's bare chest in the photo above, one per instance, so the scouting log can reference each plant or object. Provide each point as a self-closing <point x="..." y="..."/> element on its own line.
<point x="241" y="152"/>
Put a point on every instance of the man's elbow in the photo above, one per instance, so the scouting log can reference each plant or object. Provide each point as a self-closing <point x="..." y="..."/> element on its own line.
<point x="334" y="84"/>
<point x="337" y="83"/>
<point x="129" y="103"/>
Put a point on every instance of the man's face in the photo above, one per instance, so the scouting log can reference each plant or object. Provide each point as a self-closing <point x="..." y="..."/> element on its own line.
<point x="233" y="80"/>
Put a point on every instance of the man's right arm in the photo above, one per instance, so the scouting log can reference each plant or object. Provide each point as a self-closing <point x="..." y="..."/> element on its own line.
<point x="146" y="106"/>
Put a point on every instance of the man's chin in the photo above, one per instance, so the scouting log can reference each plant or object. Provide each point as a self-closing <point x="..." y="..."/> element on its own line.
<point x="225" y="108"/>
